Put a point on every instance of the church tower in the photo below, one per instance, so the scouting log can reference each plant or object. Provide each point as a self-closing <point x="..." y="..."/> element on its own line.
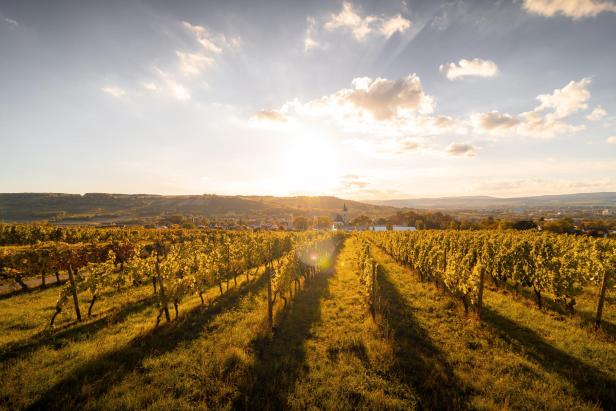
<point x="345" y="215"/>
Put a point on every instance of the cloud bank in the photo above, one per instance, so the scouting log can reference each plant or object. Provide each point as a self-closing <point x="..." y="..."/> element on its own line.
<point x="576" y="9"/>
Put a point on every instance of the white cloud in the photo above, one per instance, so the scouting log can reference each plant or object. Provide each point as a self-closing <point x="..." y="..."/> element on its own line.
<point x="494" y="120"/>
<point x="353" y="182"/>
<point x="396" y="24"/>
<point x="575" y="9"/>
<point x="611" y="140"/>
<point x="370" y="104"/>
<point x="383" y="99"/>
<point x="203" y="37"/>
<point x="193" y="63"/>
<point x="567" y="100"/>
<point x="460" y="149"/>
<point x="348" y="18"/>
<point x="309" y="39"/>
<point x="440" y="124"/>
<point x="270" y="116"/>
<point x="114" y="91"/>
<point x="171" y="86"/>
<point x="407" y="145"/>
<point x="10" y="21"/>
<point x="361" y="27"/>
<point x="213" y="43"/>
<point x="597" y="114"/>
<point x="544" y="121"/>
<point x="534" y="124"/>
<point x="150" y="86"/>
<point x="465" y="68"/>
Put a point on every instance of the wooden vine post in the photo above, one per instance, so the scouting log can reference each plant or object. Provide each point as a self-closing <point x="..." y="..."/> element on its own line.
<point x="161" y="286"/>
<point x="270" y="305"/>
<point x="373" y="290"/>
<point x="71" y="278"/>
<point x="480" y="292"/>
<point x="601" y="298"/>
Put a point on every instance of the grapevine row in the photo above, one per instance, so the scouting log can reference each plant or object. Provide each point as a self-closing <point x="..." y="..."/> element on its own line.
<point x="458" y="261"/>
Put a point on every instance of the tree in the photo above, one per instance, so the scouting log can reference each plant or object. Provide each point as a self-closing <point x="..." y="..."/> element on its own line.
<point x="361" y="221"/>
<point x="301" y="223"/>
<point x="562" y="226"/>
<point x="324" y="222"/>
<point x="524" y="225"/>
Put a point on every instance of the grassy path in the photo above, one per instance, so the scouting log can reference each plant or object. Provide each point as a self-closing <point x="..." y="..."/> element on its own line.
<point x="518" y="358"/>
<point x="344" y="361"/>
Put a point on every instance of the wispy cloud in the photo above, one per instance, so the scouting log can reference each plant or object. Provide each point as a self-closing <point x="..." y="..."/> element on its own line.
<point x="310" y="41"/>
<point x="114" y="91"/>
<point x="467" y="68"/>
<point x="11" y="22"/>
<point x="494" y="120"/>
<point x="193" y="63"/>
<point x="349" y="19"/>
<point x="576" y="9"/>
<point x="597" y="114"/>
<point x="203" y="37"/>
<point x="212" y="42"/>
<point x="611" y="140"/>
<point x="460" y="149"/>
<point x="271" y="116"/>
<point x="170" y="85"/>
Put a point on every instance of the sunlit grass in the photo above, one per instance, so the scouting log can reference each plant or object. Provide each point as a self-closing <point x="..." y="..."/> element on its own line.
<point x="326" y="352"/>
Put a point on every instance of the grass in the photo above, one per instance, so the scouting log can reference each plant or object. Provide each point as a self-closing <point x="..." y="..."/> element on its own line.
<point x="517" y="358"/>
<point x="326" y="352"/>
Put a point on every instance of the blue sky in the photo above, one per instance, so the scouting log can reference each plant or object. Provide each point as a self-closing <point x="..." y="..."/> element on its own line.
<point x="365" y="100"/>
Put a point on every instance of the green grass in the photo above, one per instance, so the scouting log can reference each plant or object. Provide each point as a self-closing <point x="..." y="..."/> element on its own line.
<point x="517" y="358"/>
<point x="326" y="352"/>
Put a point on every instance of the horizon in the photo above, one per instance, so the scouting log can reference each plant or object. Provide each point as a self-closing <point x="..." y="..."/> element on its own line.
<point x="316" y="196"/>
<point x="362" y="100"/>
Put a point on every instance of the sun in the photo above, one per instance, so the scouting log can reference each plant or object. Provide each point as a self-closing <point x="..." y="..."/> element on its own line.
<point x="311" y="165"/>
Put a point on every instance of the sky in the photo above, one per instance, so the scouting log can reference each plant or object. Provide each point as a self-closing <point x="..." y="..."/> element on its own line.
<point x="366" y="100"/>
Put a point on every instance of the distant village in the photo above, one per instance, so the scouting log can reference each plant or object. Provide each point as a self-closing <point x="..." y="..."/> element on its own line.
<point x="341" y="222"/>
<point x="597" y="222"/>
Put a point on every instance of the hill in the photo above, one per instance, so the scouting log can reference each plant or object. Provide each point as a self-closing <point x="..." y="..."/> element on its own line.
<point x="102" y="207"/>
<point x="578" y="200"/>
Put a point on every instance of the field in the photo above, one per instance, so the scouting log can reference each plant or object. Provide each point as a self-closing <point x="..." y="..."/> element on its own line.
<point x="323" y="349"/>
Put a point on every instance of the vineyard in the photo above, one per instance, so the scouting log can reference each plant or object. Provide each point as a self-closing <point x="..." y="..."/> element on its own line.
<point x="459" y="262"/>
<point x="188" y="319"/>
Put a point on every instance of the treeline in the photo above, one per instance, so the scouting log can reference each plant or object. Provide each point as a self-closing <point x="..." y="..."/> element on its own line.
<point x="441" y="221"/>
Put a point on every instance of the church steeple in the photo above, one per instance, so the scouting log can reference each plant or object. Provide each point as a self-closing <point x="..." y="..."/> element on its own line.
<point x="345" y="214"/>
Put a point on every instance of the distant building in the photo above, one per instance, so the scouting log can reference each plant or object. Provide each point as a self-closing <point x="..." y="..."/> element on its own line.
<point x="377" y="228"/>
<point x="341" y="222"/>
<point x="393" y="228"/>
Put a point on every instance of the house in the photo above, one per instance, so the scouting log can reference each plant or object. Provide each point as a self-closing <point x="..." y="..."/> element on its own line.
<point x="377" y="228"/>
<point x="393" y="228"/>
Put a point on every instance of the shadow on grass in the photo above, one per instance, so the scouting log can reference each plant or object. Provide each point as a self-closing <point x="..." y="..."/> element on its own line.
<point x="281" y="360"/>
<point x="590" y="383"/>
<point x="586" y="316"/>
<point x="419" y="363"/>
<point x="73" y="331"/>
<point x="97" y="376"/>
